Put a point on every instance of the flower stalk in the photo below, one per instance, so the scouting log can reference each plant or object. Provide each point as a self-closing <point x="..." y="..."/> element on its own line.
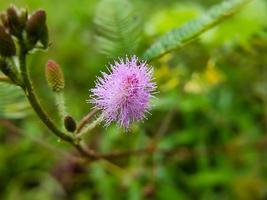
<point x="85" y="120"/>
<point x="91" y="126"/>
<point x="60" y="104"/>
<point x="29" y="92"/>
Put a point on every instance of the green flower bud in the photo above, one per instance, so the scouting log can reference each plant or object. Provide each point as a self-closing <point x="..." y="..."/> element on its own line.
<point x="7" y="45"/>
<point x="54" y="76"/>
<point x="36" y="29"/>
<point x="69" y="124"/>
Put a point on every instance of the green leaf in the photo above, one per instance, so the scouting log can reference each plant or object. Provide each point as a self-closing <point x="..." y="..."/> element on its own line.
<point x="250" y="20"/>
<point x="179" y="37"/>
<point x="13" y="103"/>
<point x="117" y="28"/>
<point x="211" y="178"/>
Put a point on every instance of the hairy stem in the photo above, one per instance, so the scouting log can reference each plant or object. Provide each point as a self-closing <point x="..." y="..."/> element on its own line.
<point x="75" y="141"/>
<point x="33" y="99"/>
<point x="85" y="120"/>
<point x="60" y="103"/>
<point x="90" y="126"/>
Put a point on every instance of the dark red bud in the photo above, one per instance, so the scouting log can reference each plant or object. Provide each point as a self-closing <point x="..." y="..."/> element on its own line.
<point x="8" y="71"/>
<point x="23" y="17"/>
<point x="44" y="36"/>
<point x="7" y="45"/>
<point x="70" y="124"/>
<point x="4" y="20"/>
<point x="4" y="67"/>
<point x="36" y="29"/>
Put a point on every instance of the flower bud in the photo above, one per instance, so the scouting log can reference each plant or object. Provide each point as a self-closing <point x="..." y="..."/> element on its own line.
<point x="23" y="17"/>
<point x="14" y="25"/>
<point x="4" y="67"/>
<point x="7" y="45"/>
<point x="69" y="124"/>
<point x="7" y="70"/>
<point x="36" y="29"/>
<point x="4" y="20"/>
<point x="44" y="36"/>
<point x="54" y="76"/>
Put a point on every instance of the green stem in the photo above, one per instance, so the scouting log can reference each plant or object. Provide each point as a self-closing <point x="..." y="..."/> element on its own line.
<point x="60" y="103"/>
<point x="33" y="99"/>
<point x="29" y="92"/>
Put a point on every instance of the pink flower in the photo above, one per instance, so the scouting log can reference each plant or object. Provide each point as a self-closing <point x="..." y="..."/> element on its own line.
<point x="124" y="94"/>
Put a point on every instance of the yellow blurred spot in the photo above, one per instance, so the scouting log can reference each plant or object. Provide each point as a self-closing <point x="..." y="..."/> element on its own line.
<point x="162" y="72"/>
<point x="195" y="85"/>
<point x="212" y="75"/>
<point x="171" y="84"/>
<point x="202" y="81"/>
<point x="167" y="78"/>
<point x="166" y="58"/>
<point x="249" y="187"/>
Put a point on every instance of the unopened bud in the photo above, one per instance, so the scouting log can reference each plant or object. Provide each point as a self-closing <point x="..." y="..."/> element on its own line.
<point x="36" y="29"/>
<point x="69" y="124"/>
<point x="4" y="19"/>
<point x="7" y="70"/>
<point x="14" y="25"/>
<point x="7" y="45"/>
<point x="23" y="17"/>
<point x="44" y="36"/>
<point x="4" y="67"/>
<point x="54" y="76"/>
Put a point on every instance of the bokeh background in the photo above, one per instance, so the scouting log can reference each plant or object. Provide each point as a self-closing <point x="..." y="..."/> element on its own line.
<point x="211" y="109"/>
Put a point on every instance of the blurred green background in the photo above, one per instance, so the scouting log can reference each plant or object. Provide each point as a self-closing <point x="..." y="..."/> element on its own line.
<point x="211" y="108"/>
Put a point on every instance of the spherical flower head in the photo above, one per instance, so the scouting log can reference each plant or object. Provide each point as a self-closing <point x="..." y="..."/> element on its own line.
<point x="123" y="95"/>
